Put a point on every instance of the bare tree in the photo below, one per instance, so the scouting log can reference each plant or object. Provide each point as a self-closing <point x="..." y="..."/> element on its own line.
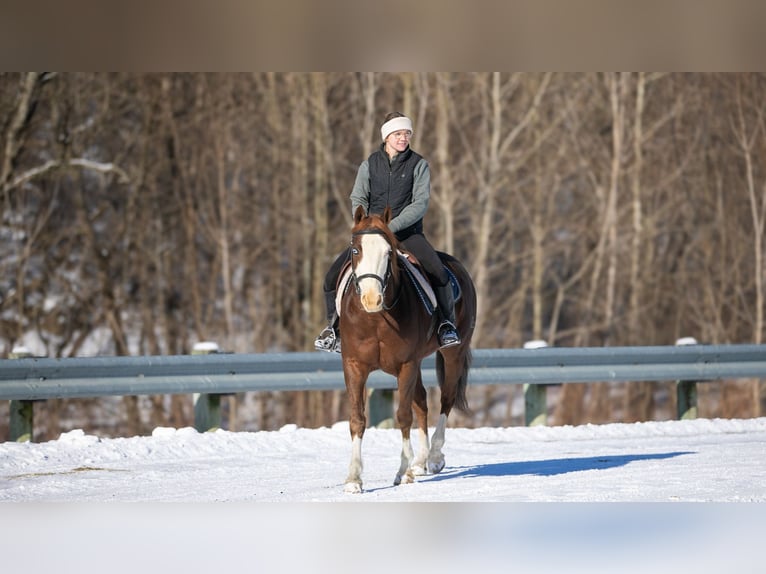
<point x="143" y="212"/>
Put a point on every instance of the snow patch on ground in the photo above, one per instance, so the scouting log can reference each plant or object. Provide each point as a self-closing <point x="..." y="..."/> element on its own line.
<point x="698" y="460"/>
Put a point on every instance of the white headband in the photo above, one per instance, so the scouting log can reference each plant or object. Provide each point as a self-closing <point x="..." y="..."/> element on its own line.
<point x="395" y="125"/>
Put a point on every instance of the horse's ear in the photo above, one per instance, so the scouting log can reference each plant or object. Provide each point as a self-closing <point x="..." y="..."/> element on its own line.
<point x="358" y="214"/>
<point x="387" y="214"/>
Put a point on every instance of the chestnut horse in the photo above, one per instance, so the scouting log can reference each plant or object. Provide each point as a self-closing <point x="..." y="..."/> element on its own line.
<point x="385" y="325"/>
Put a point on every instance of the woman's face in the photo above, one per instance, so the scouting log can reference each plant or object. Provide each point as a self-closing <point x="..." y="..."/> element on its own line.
<point x="397" y="142"/>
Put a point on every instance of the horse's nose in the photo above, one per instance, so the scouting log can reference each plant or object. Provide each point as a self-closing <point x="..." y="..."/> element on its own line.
<point x="372" y="301"/>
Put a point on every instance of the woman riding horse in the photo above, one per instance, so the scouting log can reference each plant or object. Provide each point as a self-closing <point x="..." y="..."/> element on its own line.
<point x="395" y="176"/>
<point x="386" y="325"/>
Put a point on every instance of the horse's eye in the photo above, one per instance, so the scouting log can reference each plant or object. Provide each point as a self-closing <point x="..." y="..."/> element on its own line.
<point x="354" y="251"/>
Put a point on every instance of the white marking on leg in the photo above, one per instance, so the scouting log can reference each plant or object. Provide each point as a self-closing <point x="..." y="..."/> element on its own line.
<point x="354" y="480"/>
<point x="436" y="457"/>
<point x="419" y="464"/>
<point x="405" y="474"/>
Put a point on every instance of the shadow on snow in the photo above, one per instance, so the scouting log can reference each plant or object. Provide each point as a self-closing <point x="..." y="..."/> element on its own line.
<point x="550" y="467"/>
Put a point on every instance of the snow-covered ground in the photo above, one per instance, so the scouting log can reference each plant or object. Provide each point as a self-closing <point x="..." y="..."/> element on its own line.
<point x="669" y="462"/>
<point x="700" y="460"/>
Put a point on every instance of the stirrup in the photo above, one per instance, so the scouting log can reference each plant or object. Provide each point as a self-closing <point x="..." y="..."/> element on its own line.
<point x="328" y="341"/>
<point x="447" y="335"/>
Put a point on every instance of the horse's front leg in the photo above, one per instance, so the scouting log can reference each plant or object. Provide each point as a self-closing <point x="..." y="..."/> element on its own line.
<point x="356" y="378"/>
<point x="407" y="380"/>
<point x="354" y="479"/>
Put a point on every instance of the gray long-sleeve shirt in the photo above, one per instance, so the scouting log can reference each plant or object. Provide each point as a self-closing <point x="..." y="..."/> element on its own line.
<point x="415" y="211"/>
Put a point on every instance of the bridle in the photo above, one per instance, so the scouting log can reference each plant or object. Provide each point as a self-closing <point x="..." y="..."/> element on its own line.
<point x="382" y="280"/>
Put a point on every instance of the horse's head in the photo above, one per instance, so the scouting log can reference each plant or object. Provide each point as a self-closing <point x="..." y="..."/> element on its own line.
<point x="372" y="244"/>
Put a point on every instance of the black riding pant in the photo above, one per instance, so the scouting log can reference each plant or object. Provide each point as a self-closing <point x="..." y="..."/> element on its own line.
<point x="417" y="244"/>
<point x="333" y="274"/>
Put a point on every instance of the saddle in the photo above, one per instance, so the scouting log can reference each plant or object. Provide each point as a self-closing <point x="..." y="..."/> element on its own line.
<point x="414" y="274"/>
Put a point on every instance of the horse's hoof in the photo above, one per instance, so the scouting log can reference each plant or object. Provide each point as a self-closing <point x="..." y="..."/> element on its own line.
<point x="407" y="478"/>
<point x="435" y="466"/>
<point x="353" y="488"/>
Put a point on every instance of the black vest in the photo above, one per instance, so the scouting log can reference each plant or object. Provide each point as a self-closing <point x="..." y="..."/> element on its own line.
<point x="391" y="185"/>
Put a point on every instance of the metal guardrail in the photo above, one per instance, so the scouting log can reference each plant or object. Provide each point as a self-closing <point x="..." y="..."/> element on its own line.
<point x="30" y="379"/>
<point x="47" y="378"/>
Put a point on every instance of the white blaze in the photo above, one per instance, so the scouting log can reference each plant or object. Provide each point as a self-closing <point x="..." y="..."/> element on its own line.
<point x="374" y="261"/>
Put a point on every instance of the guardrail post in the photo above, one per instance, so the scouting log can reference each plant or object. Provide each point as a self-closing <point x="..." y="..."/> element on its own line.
<point x="686" y="391"/>
<point x="381" y="408"/>
<point x="535" y="396"/>
<point x="21" y="412"/>
<point x="207" y="407"/>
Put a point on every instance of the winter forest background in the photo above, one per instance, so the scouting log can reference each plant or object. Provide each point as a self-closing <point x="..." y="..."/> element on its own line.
<point x="142" y="213"/>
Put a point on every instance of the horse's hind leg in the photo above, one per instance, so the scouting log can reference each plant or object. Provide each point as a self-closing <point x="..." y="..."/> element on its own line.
<point x="448" y="372"/>
<point x="420" y="405"/>
<point x="436" y="456"/>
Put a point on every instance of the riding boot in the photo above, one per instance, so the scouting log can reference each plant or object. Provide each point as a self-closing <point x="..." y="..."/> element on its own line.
<point x="447" y="332"/>
<point x="329" y="339"/>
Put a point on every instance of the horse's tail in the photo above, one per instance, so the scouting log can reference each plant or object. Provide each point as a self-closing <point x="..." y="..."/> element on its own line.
<point x="461" y="401"/>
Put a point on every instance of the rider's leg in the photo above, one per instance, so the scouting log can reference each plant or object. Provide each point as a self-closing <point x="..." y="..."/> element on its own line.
<point x="329" y="338"/>
<point x="447" y="333"/>
<point x="419" y="246"/>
